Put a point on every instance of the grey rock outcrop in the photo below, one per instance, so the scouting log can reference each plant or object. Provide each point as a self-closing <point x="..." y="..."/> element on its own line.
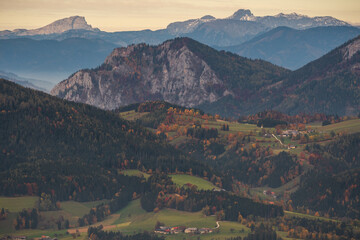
<point x="57" y="27"/>
<point x="141" y="72"/>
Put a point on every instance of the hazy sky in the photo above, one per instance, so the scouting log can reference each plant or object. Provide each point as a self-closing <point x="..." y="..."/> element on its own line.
<point x="117" y="15"/>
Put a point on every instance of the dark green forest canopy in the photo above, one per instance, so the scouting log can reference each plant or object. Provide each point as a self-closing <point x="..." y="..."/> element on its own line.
<point x="44" y="139"/>
<point x="334" y="184"/>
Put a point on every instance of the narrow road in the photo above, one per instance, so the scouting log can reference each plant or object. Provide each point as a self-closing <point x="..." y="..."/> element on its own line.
<point x="278" y="139"/>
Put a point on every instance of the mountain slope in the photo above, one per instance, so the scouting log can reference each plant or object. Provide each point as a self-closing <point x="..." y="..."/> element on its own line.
<point x="293" y="48"/>
<point x="87" y="145"/>
<point x="334" y="183"/>
<point x="330" y="84"/>
<point x="180" y="71"/>
<point x="327" y="85"/>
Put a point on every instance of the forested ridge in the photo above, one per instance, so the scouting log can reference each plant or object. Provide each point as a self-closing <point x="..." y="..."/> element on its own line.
<point x="64" y="148"/>
<point x="333" y="186"/>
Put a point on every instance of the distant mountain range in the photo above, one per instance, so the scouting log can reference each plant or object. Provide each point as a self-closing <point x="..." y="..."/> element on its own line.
<point x="291" y="48"/>
<point x="188" y="73"/>
<point x="243" y="26"/>
<point x="67" y="56"/>
<point x="26" y="82"/>
<point x="233" y="30"/>
<point x="70" y="44"/>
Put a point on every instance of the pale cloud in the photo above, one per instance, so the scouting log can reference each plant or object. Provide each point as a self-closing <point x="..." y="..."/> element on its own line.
<point x="112" y="15"/>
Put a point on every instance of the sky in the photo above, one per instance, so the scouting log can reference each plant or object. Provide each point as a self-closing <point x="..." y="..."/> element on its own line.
<point x="123" y="15"/>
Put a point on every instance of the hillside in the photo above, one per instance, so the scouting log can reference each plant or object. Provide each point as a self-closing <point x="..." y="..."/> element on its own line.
<point x="337" y="178"/>
<point x="93" y="151"/>
<point x="39" y="131"/>
<point x="180" y="71"/>
<point x="328" y="85"/>
<point x="257" y="163"/>
<point x="292" y="48"/>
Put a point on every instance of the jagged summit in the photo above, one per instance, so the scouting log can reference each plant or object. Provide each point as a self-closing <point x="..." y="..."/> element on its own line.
<point x="242" y="14"/>
<point x="294" y="14"/>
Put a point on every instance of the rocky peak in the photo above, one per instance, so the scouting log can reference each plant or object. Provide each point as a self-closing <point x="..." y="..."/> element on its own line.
<point x="59" y="26"/>
<point x="180" y="71"/>
<point x="63" y="25"/>
<point x="170" y="72"/>
<point x="351" y="49"/>
<point x="242" y="14"/>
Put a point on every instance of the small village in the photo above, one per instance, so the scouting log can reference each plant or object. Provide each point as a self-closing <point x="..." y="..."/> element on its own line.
<point x="182" y="229"/>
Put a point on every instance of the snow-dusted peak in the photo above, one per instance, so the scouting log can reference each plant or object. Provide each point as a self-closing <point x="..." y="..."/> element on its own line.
<point x="292" y="16"/>
<point x="188" y="26"/>
<point x="243" y="15"/>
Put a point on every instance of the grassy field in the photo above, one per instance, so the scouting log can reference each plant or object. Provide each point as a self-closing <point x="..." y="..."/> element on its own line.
<point x="350" y="126"/>
<point x="302" y="215"/>
<point x="179" y="179"/>
<point x="182" y="179"/>
<point x="134" y="172"/>
<point x="16" y="204"/>
<point x="70" y="210"/>
<point x="132" y="115"/>
<point x="79" y="209"/>
<point x="134" y="219"/>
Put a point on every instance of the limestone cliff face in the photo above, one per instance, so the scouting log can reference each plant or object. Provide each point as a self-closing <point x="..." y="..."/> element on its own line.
<point x="59" y="26"/>
<point x="170" y="72"/>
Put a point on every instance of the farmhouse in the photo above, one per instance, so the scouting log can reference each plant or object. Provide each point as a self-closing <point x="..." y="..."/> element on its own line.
<point x="191" y="230"/>
<point x="205" y="230"/>
<point x="287" y="133"/>
<point x="176" y="230"/>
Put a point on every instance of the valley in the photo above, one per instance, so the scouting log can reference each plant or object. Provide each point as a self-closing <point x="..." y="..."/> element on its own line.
<point x="213" y="141"/>
<point x="239" y="127"/>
